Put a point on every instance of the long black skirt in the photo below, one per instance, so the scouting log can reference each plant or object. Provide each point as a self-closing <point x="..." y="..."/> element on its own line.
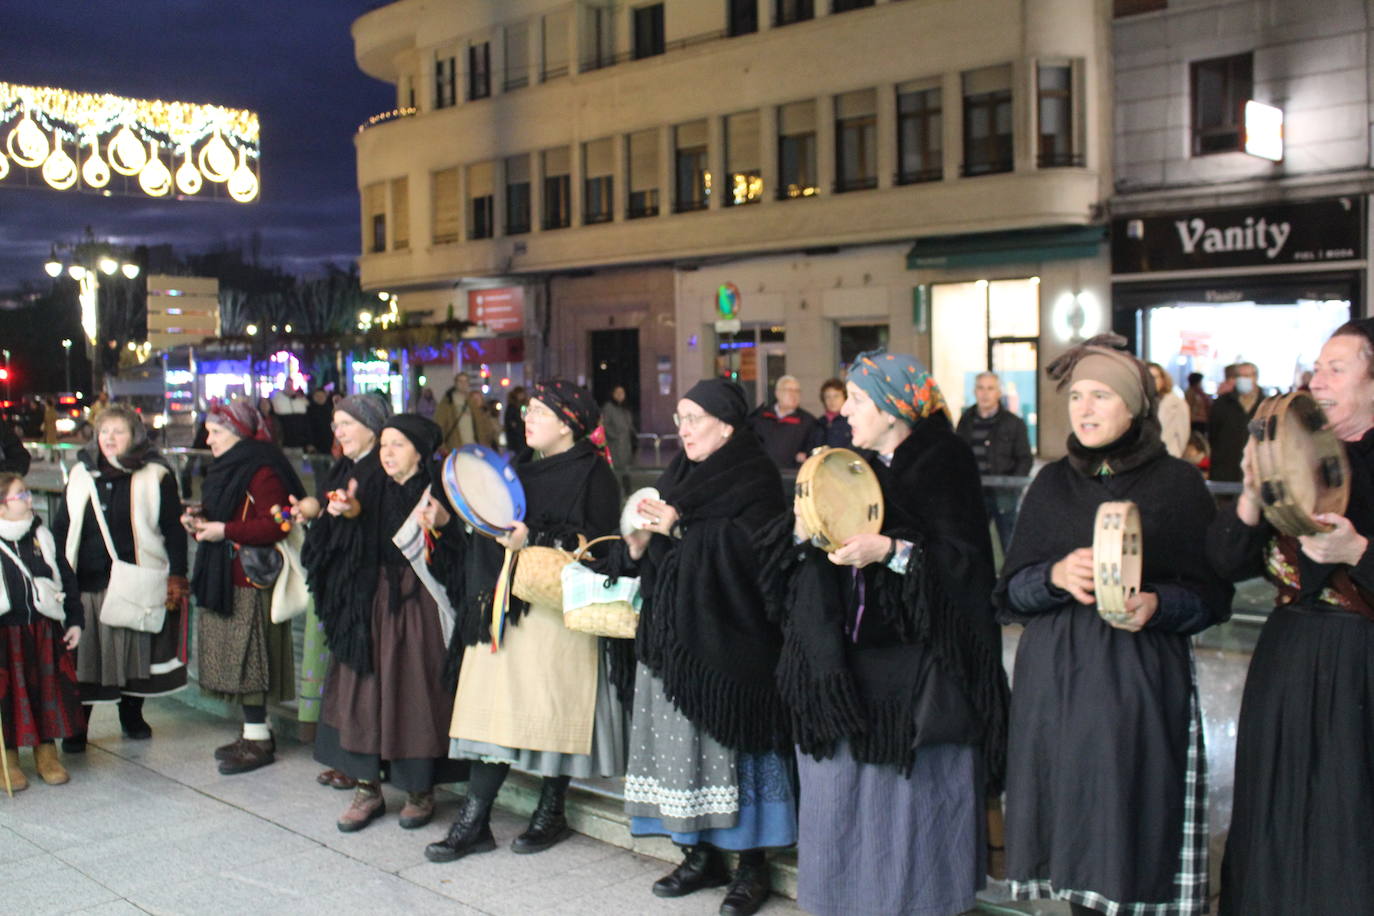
<point x="1302" y="833"/>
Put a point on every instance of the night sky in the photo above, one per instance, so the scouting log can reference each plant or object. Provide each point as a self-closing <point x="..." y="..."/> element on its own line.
<point x="292" y="62"/>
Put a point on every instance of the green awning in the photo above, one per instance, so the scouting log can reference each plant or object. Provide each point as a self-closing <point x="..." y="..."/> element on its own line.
<point x="983" y="249"/>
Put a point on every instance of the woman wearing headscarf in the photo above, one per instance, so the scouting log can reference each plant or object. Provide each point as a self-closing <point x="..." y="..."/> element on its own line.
<point x="1304" y="794"/>
<point x="385" y="703"/>
<point x="708" y="731"/>
<point x="121" y="475"/>
<point x="892" y="665"/>
<point x="244" y="657"/>
<point x="542" y="698"/>
<point x="1106" y="771"/>
<point x="333" y="550"/>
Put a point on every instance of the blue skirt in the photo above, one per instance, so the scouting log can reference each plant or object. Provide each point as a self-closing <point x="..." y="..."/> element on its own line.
<point x="767" y="815"/>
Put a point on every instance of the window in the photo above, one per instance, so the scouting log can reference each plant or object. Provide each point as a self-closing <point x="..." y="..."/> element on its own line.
<point x="1054" y="111"/>
<point x="479" y="71"/>
<point x="860" y="338"/>
<point x="920" y="134"/>
<point x="598" y="39"/>
<point x="648" y="31"/>
<point x="598" y="165"/>
<point x="1220" y="90"/>
<point x="692" y="176"/>
<point x="844" y="6"/>
<point x="643" y="162"/>
<point x="743" y="159"/>
<point x="743" y="17"/>
<point x="987" y="120"/>
<point x="557" y="28"/>
<point x="517" y="43"/>
<point x="856" y="140"/>
<point x="481" y="199"/>
<point x="518" y="195"/>
<point x="406" y="93"/>
<point x="400" y="213"/>
<point x="786" y="12"/>
<point x="557" y="188"/>
<point x="445" y="82"/>
<point x="447" y="210"/>
<point x="374" y="217"/>
<point x="797" y="150"/>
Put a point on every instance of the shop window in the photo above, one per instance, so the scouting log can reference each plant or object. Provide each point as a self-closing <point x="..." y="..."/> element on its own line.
<point x="557" y="29"/>
<point x="691" y="167"/>
<point x="1055" y="116"/>
<point x="518" y="195"/>
<point x="400" y="211"/>
<point x="743" y="16"/>
<point x="756" y="357"/>
<point x="479" y="71"/>
<point x="517" y="45"/>
<point x="844" y="6"/>
<point x="445" y="82"/>
<point x="797" y="150"/>
<point x="987" y="121"/>
<point x="1220" y="89"/>
<point x="447" y="210"/>
<point x="481" y="200"/>
<point x="598" y="166"/>
<point x="648" y="31"/>
<point x="856" y="141"/>
<point x="742" y="159"/>
<point x="786" y="12"/>
<point x="920" y="134"/>
<point x="854" y="339"/>
<point x="557" y="188"/>
<point x="643" y="163"/>
<point x="374" y="217"/>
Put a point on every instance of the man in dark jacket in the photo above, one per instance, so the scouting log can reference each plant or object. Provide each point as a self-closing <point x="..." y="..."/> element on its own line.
<point x="787" y="432"/>
<point x="1229" y="426"/>
<point x="1002" y="447"/>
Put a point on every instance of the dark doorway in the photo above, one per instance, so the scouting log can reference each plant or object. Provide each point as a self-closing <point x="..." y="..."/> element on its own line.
<point x="615" y="361"/>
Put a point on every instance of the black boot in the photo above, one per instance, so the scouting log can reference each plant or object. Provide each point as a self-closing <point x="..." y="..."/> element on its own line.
<point x="749" y="890"/>
<point x="131" y="719"/>
<point x="548" y="826"/>
<point x="702" y="867"/>
<point x="76" y="744"/>
<point x="470" y="833"/>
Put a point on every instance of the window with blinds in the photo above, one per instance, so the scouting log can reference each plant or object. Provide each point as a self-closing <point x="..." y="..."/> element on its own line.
<point x="400" y="213"/>
<point x="743" y="159"/>
<point x="987" y="120"/>
<point x="518" y="194"/>
<point x="557" y="28"/>
<point x="557" y="187"/>
<point x="447" y="212"/>
<point x="517" y="44"/>
<point x="920" y="133"/>
<point x="481" y="199"/>
<point x="598" y="167"/>
<point x="856" y="140"/>
<point x="642" y="150"/>
<point x="797" y="150"/>
<point x="692" y="175"/>
<point x="374" y="217"/>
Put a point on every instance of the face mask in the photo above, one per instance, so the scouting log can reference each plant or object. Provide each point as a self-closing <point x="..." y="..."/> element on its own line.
<point x="1244" y="384"/>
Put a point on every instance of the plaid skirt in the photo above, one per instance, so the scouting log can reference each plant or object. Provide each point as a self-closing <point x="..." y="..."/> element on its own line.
<point x="38" y="696"/>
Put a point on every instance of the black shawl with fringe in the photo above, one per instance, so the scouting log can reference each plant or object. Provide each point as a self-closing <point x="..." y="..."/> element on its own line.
<point x="926" y="668"/>
<point x="703" y="629"/>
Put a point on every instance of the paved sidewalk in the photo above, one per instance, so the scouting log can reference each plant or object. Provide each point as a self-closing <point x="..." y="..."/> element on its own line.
<point x="151" y="826"/>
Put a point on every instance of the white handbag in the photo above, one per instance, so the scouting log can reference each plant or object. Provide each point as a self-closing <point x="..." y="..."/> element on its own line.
<point x="49" y="598"/>
<point x="136" y="598"/>
<point x="289" y="593"/>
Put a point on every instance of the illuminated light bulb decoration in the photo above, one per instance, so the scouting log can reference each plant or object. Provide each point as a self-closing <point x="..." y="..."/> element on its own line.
<point x="188" y="176"/>
<point x="59" y="169"/>
<point x="27" y="144"/>
<point x="243" y="184"/>
<point x="154" y="178"/>
<point x="4" y="167"/>
<point x="126" y="153"/>
<point x="95" y="171"/>
<point x="216" y="159"/>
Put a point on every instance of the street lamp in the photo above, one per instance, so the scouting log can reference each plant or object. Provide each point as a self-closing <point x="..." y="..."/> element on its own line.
<point x="86" y="265"/>
<point x="67" y="359"/>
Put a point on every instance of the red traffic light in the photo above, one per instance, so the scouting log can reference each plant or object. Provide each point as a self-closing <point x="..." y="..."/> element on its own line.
<point x="4" y="374"/>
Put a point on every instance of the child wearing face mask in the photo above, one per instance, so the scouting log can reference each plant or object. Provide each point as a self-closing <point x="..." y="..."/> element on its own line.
<point x="40" y="614"/>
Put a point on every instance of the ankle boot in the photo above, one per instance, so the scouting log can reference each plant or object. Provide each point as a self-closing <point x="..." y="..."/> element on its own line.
<point x="748" y="891"/>
<point x="702" y="867"/>
<point x="470" y="833"/>
<point x="18" y="781"/>
<point x="131" y="719"/>
<point x="367" y="805"/>
<point x="548" y="825"/>
<point x="49" y="767"/>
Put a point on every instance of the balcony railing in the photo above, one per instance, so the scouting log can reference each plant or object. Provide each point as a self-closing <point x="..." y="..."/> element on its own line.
<point x="864" y="183"/>
<point x="603" y="60"/>
<point x="392" y="115"/>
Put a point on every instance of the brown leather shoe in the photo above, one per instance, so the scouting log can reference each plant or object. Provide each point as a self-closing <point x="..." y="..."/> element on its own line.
<point x="248" y="755"/>
<point x="18" y="781"/>
<point x="49" y="766"/>
<point x="367" y="805"/>
<point x="336" y="779"/>
<point x="418" y="810"/>
<point x="225" y="751"/>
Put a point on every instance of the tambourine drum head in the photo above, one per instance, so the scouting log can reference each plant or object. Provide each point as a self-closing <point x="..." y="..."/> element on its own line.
<point x="842" y="496"/>
<point x="483" y="490"/>
<point x="1314" y="478"/>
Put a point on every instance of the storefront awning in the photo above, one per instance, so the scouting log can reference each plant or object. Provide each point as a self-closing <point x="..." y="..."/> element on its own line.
<point x="982" y="249"/>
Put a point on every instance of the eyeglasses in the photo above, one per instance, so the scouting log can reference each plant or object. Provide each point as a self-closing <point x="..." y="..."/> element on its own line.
<point x="24" y="495"/>
<point x="538" y="411"/>
<point x="689" y="420"/>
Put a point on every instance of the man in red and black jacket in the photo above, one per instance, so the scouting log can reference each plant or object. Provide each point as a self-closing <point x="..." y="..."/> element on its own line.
<point x="787" y="432"/>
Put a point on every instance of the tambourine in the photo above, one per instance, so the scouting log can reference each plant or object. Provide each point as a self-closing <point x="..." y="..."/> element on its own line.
<point x="838" y="497"/>
<point x="630" y="519"/>
<point x="1302" y="466"/>
<point x="484" y="489"/>
<point x="1117" y="558"/>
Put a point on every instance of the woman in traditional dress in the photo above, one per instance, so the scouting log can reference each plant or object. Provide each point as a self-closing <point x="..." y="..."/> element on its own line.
<point x="245" y="658"/>
<point x="1106" y="772"/>
<point x="892" y="666"/>
<point x="1304" y="796"/>
<point x="385" y="703"/>
<point x="708" y="729"/>
<point x="544" y="701"/>
<point x="40" y="621"/>
<point x="121" y="475"/>
<point x="332" y="548"/>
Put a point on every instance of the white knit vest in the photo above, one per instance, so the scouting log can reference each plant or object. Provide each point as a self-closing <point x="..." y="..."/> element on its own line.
<point x="145" y="493"/>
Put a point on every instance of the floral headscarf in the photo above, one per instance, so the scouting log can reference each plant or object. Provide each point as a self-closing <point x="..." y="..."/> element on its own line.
<point x="898" y="384"/>
<point x="575" y="406"/>
<point x="241" y="417"/>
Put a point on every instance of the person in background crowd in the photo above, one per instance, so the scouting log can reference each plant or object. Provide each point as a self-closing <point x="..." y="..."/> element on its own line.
<point x="834" y="425"/>
<point x="319" y="415"/>
<point x="1173" y="412"/>
<point x="619" y="425"/>
<point x="425" y="404"/>
<point x="49" y="420"/>
<point x="514" y="419"/>
<point x="1199" y="403"/>
<point x="1001" y="446"/>
<point x="787" y="432"/>
<point x="1230" y="423"/>
<point x="40" y="625"/>
<point x="136" y="493"/>
<point x="14" y="458"/>
<point x="1198" y="453"/>
<point x="101" y="401"/>
<point x="270" y="423"/>
<point x="461" y="416"/>
<point x="290" y="406"/>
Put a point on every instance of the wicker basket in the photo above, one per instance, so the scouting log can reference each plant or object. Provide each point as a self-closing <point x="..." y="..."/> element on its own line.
<point x="584" y="612"/>
<point x="538" y="571"/>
